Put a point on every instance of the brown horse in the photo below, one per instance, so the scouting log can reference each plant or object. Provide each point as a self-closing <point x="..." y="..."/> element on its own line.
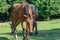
<point x="19" y="13"/>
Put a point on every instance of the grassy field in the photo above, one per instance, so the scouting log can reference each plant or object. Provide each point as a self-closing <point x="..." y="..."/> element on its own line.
<point x="48" y="30"/>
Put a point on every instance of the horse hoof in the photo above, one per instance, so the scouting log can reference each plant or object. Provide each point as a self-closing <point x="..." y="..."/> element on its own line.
<point x="36" y="32"/>
<point x="16" y="37"/>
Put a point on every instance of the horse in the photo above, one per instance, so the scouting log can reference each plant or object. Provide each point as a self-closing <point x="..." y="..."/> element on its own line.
<point x="20" y="12"/>
<point x="35" y="10"/>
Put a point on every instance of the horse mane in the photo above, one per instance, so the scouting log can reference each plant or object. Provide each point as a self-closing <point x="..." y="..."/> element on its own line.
<point x="26" y="9"/>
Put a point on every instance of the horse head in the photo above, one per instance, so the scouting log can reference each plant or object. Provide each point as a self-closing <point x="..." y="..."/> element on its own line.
<point x="29" y="16"/>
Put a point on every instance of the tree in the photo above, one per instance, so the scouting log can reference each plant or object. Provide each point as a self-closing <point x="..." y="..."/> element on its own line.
<point x="46" y="8"/>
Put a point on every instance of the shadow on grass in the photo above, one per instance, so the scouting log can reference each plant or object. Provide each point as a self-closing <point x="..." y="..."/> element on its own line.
<point x="40" y="32"/>
<point x="53" y="34"/>
<point x="3" y="38"/>
<point x="43" y="32"/>
<point x="5" y="34"/>
<point x="19" y="33"/>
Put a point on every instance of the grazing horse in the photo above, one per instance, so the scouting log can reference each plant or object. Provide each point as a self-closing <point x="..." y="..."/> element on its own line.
<point x="34" y="10"/>
<point x="19" y="13"/>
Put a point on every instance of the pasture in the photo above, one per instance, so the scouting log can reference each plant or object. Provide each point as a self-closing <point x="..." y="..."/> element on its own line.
<point x="48" y="30"/>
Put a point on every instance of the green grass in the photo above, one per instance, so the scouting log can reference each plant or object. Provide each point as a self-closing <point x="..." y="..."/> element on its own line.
<point x="48" y="30"/>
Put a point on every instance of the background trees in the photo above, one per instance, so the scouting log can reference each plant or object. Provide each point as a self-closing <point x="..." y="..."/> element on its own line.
<point x="48" y="9"/>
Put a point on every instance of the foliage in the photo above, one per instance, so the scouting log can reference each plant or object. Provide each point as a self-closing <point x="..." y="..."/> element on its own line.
<point x="46" y="8"/>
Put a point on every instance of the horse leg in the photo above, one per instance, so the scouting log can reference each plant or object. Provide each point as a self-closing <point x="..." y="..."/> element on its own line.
<point x="12" y="27"/>
<point x="23" y="27"/>
<point x="15" y="29"/>
<point x="25" y="30"/>
<point x="35" y="24"/>
<point x="15" y="33"/>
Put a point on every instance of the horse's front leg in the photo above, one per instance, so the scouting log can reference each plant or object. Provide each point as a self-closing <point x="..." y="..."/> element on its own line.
<point x="15" y="33"/>
<point x="12" y="26"/>
<point x="15" y="30"/>
<point x="25" y="31"/>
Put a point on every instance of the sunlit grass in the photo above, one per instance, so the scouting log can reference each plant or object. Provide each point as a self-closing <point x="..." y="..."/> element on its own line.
<point x="48" y="30"/>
